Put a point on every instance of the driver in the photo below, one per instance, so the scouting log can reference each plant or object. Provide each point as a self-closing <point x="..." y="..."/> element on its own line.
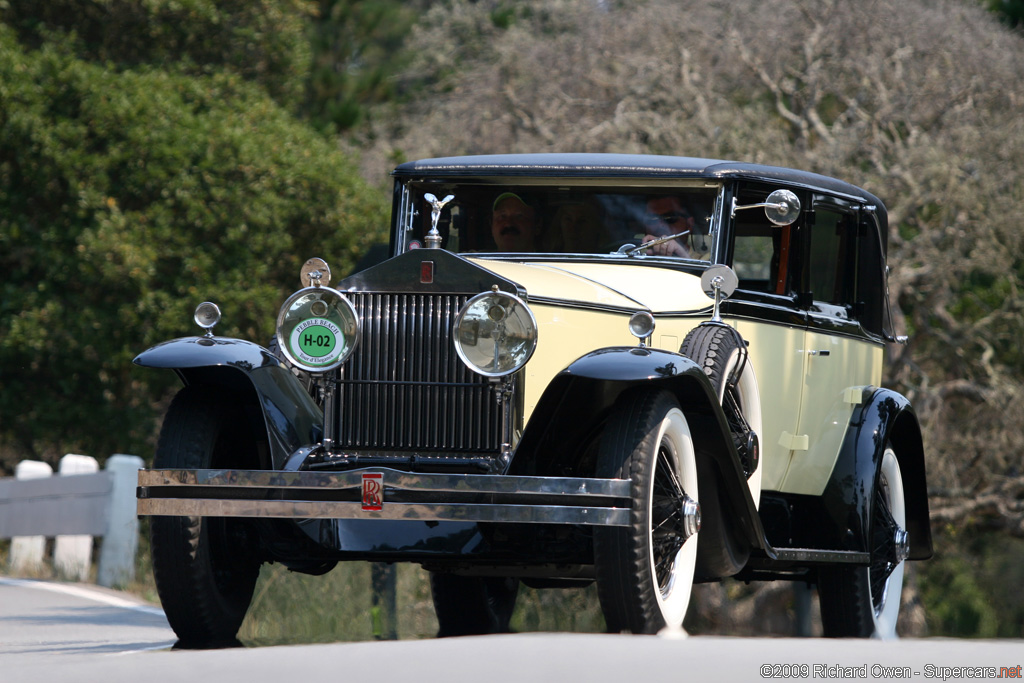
<point x="515" y="224"/>
<point x="667" y="216"/>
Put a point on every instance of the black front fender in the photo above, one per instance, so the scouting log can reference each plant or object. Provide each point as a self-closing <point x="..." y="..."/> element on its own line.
<point x="564" y="427"/>
<point x="576" y="402"/>
<point x="291" y="419"/>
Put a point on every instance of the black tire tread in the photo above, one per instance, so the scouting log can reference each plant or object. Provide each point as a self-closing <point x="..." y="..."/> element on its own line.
<point x="624" y="586"/>
<point x="710" y="346"/>
<point x="472" y="605"/>
<point x="199" y="614"/>
<point x="845" y="601"/>
<point x="844" y="594"/>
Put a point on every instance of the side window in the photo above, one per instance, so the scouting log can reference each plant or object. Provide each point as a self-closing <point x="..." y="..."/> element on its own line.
<point x="752" y="258"/>
<point x="763" y="254"/>
<point x="871" y="294"/>
<point x="831" y="262"/>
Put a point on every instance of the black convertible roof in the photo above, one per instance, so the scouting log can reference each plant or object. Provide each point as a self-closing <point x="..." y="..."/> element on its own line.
<point x="623" y="165"/>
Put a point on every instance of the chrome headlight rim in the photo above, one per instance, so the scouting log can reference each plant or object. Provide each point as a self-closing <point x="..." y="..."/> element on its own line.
<point x="207" y="315"/>
<point x="344" y="327"/>
<point x="514" y="304"/>
<point x="641" y="325"/>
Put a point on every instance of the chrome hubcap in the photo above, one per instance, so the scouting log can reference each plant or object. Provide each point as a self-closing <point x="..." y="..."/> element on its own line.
<point x="902" y="542"/>
<point x="691" y="516"/>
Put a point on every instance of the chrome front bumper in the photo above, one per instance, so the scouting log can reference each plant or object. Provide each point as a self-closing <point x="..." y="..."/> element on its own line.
<point x="381" y="493"/>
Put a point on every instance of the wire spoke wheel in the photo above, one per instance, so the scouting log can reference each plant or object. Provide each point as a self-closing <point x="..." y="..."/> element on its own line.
<point x="865" y="601"/>
<point x="884" y="553"/>
<point x="645" y="571"/>
<point x="668" y="531"/>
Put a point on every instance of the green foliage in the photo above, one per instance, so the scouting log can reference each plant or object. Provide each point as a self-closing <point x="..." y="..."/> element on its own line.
<point x="291" y="608"/>
<point x="261" y="40"/>
<point x="357" y="50"/>
<point x="1010" y="12"/>
<point x="574" y="610"/>
<point x="968" y="588"/>
<point x="955" y="602"/>
<point x="504" y="15"/>
<point x="1003" y="567"/>
<point x="128" y="197"/>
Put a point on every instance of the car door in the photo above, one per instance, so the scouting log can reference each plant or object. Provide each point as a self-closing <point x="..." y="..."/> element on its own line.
<point x="766" y="311"/>
<point x="840" y="358"/>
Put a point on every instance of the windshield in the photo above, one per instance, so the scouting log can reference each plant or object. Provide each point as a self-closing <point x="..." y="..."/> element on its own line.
<point x="572" y="220"/>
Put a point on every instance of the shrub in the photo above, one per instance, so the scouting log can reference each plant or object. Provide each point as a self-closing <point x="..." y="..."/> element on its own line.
<point x="128" y="197"/>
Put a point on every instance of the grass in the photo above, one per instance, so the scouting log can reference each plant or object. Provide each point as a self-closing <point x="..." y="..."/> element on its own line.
<point x="290" y="608"/>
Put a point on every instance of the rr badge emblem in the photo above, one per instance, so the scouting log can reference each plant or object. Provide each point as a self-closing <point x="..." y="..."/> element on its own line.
<point x="373" y="491"/>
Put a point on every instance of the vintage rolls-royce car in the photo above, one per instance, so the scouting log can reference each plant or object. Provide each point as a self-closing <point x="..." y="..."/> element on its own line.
<point x="638" y="371"/>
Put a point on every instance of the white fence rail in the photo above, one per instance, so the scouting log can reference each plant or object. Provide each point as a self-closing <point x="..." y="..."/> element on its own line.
<point x="72" y="507"/>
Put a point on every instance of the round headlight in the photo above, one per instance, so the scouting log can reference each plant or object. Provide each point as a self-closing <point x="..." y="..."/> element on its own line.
<point x="495" y="333"/>
<point x="641" y="325"/>
<point x="317" y="329"/>
<point x="207" y="315"/>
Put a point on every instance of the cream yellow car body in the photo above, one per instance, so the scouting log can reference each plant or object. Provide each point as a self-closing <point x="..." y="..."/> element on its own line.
<point x="581" y="306"/>
<point x="566" y="451"/>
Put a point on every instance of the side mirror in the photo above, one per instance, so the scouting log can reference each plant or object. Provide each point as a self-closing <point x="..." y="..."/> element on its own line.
<point x="719" y="282"/>
<point x="781" y="208"/>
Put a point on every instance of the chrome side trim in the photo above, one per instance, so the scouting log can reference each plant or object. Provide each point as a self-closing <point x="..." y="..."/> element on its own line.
<point x="581" y="305"/>
<point x="528" y="514"/>
<point x="584" y="306"/>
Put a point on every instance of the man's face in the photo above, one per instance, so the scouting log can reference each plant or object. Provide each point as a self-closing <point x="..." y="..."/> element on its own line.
<point x="666" y="216"/>
<point x="514" y="225"/>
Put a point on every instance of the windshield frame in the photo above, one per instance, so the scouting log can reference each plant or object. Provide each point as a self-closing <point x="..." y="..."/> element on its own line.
<point x="410" y="215"/>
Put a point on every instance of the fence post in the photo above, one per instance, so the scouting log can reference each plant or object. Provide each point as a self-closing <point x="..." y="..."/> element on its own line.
<point x="117" y="553"/>
<point x="72" y="555"/>
<point x="383" y="610"/>
<point x="27" y="551"/>
<point x="802" y="596"/>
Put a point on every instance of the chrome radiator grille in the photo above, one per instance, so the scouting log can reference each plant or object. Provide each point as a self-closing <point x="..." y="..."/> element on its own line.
<point x="405" y="388"/>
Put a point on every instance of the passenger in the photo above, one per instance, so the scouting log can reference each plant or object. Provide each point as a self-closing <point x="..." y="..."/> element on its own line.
<point x="576" y="228"/>
<point x="667" y="216"/>
<point x="515" y="225"/>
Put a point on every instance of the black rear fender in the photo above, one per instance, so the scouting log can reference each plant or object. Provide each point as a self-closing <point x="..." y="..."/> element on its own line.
<point x="840" y="518"/>
<point x="886" y="418"/>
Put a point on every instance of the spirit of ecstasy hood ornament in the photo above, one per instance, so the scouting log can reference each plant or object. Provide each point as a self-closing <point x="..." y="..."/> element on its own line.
<point x="433" y="238"/>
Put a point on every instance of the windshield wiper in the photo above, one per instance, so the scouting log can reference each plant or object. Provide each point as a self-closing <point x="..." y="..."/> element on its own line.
<point x="633" y="250"/>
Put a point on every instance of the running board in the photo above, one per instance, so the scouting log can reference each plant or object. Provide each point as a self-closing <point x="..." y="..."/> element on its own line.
<point x="812" y="556"/>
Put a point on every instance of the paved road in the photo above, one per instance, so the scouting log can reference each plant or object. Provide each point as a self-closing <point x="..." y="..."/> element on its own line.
<point x="72" y="633"/>
<point x="44" y="618"/>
